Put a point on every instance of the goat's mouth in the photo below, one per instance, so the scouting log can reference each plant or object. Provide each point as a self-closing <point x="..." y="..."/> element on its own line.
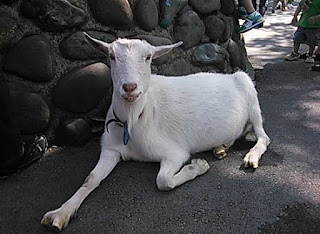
<point x="131" y="97"/>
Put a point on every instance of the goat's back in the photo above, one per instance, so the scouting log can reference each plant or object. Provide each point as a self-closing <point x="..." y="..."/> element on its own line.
<point x="203" y="110"/>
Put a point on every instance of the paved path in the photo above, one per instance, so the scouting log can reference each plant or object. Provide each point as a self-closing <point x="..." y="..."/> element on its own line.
<point x="272" y="42"/>
<point x="281" y="196"/>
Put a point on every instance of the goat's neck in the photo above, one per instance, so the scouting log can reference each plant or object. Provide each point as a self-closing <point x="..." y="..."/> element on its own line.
<point x="129" y="112"/>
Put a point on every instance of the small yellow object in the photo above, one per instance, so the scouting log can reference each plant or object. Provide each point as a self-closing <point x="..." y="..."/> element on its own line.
<point x="220" y="151"/>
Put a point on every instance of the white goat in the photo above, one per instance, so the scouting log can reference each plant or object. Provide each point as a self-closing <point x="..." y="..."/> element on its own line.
<point x="165" y="119"/>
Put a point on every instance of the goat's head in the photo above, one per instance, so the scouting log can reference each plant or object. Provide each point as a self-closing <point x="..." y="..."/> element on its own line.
<point x="130" y="64"/>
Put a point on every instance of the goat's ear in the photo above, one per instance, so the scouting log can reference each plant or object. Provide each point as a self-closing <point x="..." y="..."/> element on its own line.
<point x="97" y="44"/>
<point x="161" y="50"/>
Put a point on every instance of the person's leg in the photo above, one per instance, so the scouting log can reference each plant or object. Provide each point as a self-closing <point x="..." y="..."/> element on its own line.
<point x="296" y="47"/>
<point x="299" y="38"/>
<point x="283" y="5"/>
<point x="317" y="52"/>
<point x="15" y="154"/>
<point x="309" y="58"/>
<point x="10" y="137"/>
<point x="274" y="5"/>
<point x="247" y="4"/>
<point x="262" y="7"/>
<point x="254" y="4"/>
<point x="316" y="65"/>
<point x="253" y="18"/>
<point x="311" y="50"/>
<point x="312" y="42"/>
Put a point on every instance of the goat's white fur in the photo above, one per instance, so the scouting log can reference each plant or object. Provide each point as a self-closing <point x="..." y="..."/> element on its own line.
<point x="178" y="116"/>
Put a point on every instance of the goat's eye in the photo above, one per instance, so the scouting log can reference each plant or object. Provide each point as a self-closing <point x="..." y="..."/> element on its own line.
<point x="148" y="57"/>
<point x="112" y="57"/>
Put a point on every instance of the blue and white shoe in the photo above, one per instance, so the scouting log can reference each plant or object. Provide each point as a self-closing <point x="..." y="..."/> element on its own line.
<point x="252" y="20"/>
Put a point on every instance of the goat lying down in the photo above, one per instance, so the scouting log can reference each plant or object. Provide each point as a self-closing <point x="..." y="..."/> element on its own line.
<point x="154" y="118"/>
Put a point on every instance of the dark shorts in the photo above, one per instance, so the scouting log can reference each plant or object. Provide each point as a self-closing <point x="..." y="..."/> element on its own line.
<point x="309" y="36"/>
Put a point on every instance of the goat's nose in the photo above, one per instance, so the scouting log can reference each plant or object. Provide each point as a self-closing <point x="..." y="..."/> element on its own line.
<point x="129" y="87"/>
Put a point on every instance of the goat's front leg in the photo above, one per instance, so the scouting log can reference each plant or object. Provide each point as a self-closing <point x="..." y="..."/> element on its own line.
<point x="170" y="177"/>
<point x="58" y="219"/>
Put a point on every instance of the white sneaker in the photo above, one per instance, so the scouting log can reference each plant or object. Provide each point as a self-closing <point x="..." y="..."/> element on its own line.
<point x="309" y="59"/>
<point x="290" y="6"/>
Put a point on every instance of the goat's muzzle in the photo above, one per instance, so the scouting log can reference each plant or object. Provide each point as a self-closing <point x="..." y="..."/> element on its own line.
<point x="130" y="95"/>
<point x="129" y="87"/>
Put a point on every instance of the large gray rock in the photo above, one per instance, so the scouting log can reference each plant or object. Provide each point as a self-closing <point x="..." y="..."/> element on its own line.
<point x="31" y="111"/>
<point x="235" y="53"/>
<point x="188" y="28"/>
<point x="229" y="28"/>
<point x="178" y="67"/>
<point x="31" y="58"/>
<point x="8" y="2"/>
<point x="53" y="15"/>
<point x="8" y="29"/>
<point x="146" y="14"/>
<point x="77" y="47"/>
<point x="211" y="54"/>
<point x="156" y="41"/>
<point x="214" y="28"/>
<point x="169" y="10"/>
<point x="205" y="6"/>
<point x="227" y="7"/>
<point x="72" y="132"/>
<point x="115" y="13"/>
<point x="82" y="89"/>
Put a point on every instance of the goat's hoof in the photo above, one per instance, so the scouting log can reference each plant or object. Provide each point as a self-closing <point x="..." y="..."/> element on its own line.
<point x="220" y="152"/>
<point x="251" y="160"/>
<point x="55" y="221"/>
<point x="254" y="165"/>
<point x="201" y="165"/>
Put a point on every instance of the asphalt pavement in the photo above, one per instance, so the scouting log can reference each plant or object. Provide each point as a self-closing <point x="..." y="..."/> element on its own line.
<point x="281" y="196"/>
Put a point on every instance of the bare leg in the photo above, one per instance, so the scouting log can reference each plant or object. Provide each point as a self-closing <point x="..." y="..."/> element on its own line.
<point x="311" y="50"/>
<point x="262" y="7"/>
<point x="275" y="2"/>
<point x="59" y="218"/>
<point x="247" y="4"/>
<point x="296" y="47"/>
<point x="283" y="5"/>
<point x="168" y="178"/>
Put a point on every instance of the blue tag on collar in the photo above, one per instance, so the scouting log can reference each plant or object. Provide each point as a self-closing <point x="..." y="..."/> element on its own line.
<point x="126" y="136"/>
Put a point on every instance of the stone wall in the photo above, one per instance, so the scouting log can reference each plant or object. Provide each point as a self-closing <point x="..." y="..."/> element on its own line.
<point x="62" y="86"/>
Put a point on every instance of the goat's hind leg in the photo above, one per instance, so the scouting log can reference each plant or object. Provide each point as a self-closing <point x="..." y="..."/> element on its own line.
<point x="253" y="156"/>
<point x="170" y="177"/>
<point x="58" y="219"/>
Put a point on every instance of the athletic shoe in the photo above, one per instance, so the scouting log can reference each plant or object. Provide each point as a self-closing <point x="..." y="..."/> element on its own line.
<point x="309" y="59"/>
<point x="252" y="21"/>
<point x="32" y="151"/>
<point x="292" y="56"/>
<point x="316" y="66"/>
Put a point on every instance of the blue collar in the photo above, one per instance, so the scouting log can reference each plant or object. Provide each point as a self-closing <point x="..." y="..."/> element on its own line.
<point x="123" y="125"/>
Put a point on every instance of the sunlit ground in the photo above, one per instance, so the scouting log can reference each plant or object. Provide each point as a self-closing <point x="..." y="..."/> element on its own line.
<point x="272" y="42"/>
